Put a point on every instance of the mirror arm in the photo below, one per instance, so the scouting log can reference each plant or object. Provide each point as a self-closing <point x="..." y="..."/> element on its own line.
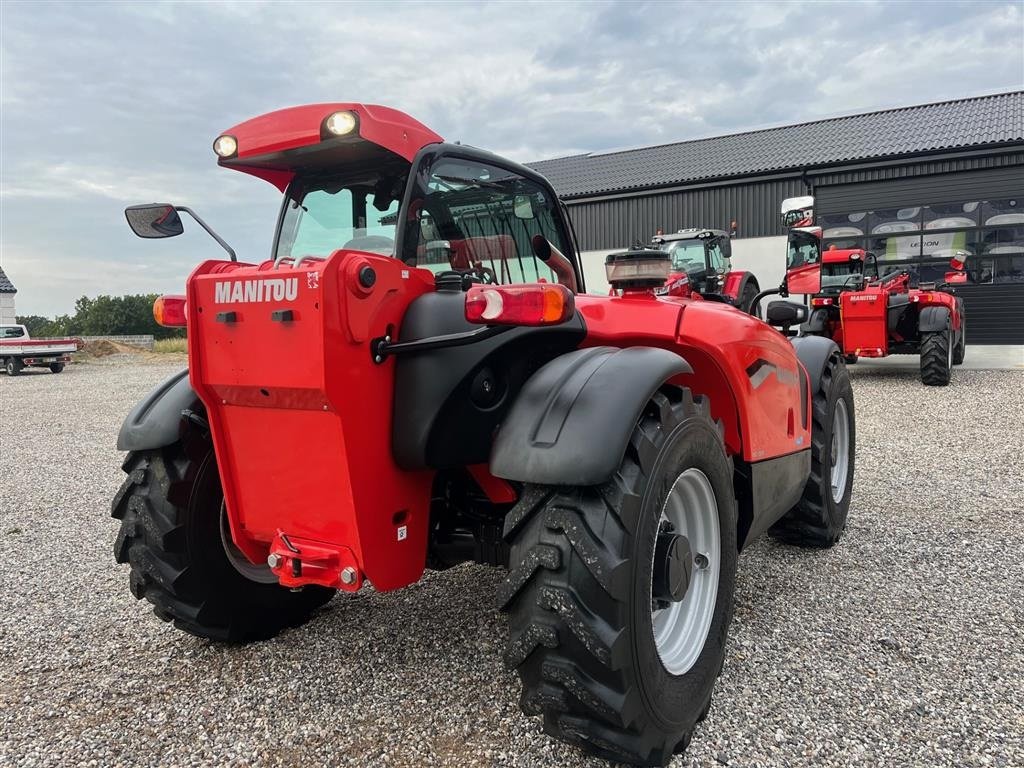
<point x="209" y="231"/>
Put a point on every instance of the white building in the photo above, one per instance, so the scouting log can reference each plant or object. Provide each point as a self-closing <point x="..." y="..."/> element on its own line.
<point x="7" y="291"/>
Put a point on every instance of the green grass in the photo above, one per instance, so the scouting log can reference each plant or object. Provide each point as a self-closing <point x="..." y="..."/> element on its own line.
<point x="168" y="346"/>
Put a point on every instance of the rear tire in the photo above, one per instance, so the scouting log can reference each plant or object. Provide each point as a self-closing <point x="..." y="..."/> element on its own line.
<point x="850" y="359"/>
<point x="937" y="357"/>
<point x="583" y="633"/>
<point x="56" y="367"/>
<point x="12" y="366"/>
<point x="819" y="518"/>
<point x="170" y="513"/>
<point x="750" y="291"/>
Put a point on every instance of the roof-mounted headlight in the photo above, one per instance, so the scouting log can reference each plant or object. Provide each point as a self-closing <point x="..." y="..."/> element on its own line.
<point x="225" y="146"/>
<point x="340" y="124"/>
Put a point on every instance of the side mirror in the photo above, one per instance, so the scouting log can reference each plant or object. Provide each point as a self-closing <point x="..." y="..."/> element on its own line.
<point x="152" y="221"/>
<point x="805" y="279"/>
<point x="785" y="313"/>
<point x="959" y="260"/>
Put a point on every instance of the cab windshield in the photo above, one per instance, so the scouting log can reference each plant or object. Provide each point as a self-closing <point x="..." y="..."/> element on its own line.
<point x="840" y="276"/>
<point x="687" y="255"/>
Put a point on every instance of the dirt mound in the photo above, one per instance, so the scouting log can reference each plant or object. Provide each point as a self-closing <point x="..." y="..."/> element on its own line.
<point x="103" y="347"/>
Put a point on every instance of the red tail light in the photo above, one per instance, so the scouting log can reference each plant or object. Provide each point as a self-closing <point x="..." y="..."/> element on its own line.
<point x="530" y="304"/>
<point x="169" y="311"/>
<point x="819" y="302"/>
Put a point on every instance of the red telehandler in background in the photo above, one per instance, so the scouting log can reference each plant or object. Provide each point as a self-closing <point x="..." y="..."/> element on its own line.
<point x="702" y="263"/>
<point x="868" y="314"/>
<point x="416" y="379"/>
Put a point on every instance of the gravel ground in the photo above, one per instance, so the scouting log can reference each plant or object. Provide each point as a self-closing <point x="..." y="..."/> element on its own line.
<point x="901" y="646"/>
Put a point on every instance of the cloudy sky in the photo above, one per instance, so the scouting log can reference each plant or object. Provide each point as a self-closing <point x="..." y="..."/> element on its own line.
<point x="109" y="104"/>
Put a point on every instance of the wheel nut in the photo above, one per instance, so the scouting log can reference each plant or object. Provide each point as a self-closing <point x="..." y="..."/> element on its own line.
<point x="273" y="560"/>
<point x="348" y="575"/>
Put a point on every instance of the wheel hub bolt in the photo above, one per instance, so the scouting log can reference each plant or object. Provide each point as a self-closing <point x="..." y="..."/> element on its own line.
<point x="348" y="575"/>
<point x="273" y="560"/>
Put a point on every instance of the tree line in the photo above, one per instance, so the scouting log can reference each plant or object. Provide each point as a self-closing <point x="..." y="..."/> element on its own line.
<point x="104" y="316"/>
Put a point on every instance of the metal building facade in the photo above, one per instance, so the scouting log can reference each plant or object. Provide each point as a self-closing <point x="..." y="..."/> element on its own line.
<point x="614" y="221"/>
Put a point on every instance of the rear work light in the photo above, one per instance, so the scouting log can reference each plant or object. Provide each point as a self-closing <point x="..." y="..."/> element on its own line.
<point x="339" y="123"/>
<point x="529" y="304"/>
<point x="225" y="146"/>
<point x="169" y="311"/>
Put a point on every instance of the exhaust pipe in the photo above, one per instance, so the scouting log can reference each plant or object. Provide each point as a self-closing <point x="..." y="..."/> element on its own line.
<point x="556" y="260"/>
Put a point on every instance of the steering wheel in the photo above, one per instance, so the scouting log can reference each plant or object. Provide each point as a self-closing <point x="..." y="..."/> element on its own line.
<point x="486" y="274"/>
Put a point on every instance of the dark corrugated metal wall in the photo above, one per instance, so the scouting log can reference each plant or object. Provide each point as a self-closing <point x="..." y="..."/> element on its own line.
<point x="753" y="204"/>
<point x="620" y="222"/>
<point x="993" y="183"/>
<point x="995" y="313"/>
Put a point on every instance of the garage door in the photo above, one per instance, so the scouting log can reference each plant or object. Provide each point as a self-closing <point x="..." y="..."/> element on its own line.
<point x="933" y="217"/>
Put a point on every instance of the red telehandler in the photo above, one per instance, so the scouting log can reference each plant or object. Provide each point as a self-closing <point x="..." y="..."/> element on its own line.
<point x="415" y="379"/>
<point x="702" y="263"/>
<point x="869" y="314"/>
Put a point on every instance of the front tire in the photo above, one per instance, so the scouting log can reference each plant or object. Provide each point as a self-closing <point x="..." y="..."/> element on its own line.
<point x="937" y="357"/>
<point x="170" y="509"/>
<point x="613" y="662"/>
<point x="819" y="518"/>
<point x="12" y="366"/>
<point x="960" y="350"/>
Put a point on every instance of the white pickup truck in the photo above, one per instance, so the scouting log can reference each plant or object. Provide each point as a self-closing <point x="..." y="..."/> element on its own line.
<point x="18" y="351"/>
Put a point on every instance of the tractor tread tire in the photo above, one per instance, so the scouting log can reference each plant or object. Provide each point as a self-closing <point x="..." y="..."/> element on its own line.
<point x="817" y="521"/>
<point x="169" y="570"/>
<point x="567" y="592"/>
<point x="935" y="371"/>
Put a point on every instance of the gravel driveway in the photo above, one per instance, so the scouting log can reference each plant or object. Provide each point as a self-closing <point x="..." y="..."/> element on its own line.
<point x="904" y="645"/>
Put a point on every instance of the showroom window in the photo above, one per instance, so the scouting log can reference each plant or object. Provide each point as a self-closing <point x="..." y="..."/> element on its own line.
<point x="924" y="238"/>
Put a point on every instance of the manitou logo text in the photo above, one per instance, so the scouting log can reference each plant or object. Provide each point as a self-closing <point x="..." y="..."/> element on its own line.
<point x="865" y="297"/>
<point x="268" y="289"/>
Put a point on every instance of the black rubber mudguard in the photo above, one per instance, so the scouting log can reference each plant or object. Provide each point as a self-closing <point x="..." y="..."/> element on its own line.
<point x="932" y="319"/>
<point x="813" y="352"/>
<point x="573" y="418"/>
<point x="156" y="421"/>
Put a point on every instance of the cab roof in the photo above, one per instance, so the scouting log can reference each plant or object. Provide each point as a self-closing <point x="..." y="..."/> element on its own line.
<point x="277" y="145"/>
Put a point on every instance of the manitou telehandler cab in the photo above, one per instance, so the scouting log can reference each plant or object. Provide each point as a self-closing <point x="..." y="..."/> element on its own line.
<point x="702" y="263"/>
<point x="414" y="378"/>
<point x="869" y="314"/>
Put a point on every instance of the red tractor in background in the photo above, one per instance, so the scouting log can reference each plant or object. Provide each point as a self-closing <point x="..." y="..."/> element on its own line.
<point x="869" y="314"/>
<point x="702" y="263"/>
<point x="452" y="395"/>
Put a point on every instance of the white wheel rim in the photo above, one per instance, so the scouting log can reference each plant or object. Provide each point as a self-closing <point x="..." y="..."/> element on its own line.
<point x="840" y="451"/>
<point x="681" y="629"/>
